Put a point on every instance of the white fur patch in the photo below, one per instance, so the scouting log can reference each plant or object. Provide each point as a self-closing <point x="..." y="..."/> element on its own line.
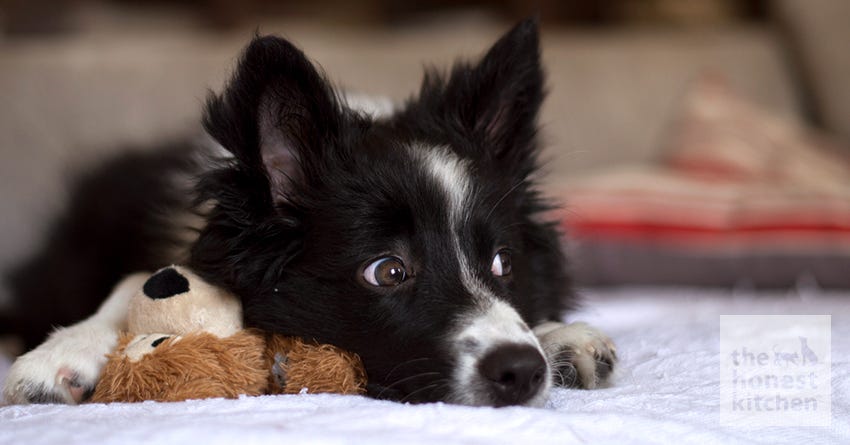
<point x="375" y="106"/>
<point x="452" y="173"/>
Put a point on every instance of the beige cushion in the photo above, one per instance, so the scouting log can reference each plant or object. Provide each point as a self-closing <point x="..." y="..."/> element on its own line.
<point x="742" y="195"/>
<point x="820" y="37"/>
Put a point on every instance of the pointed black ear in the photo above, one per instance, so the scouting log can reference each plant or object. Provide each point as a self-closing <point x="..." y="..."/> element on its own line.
<point x="497" y="100"/>
<point x="277" y="113"/>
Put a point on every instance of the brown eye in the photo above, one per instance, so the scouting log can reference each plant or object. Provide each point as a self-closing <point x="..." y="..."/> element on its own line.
<point x="501" y="264"/>
<point x="386" y="271"/>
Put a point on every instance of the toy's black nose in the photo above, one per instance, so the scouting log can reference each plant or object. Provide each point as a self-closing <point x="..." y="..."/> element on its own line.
<point x="514" y="372"/>
<point x="166" y="283"/>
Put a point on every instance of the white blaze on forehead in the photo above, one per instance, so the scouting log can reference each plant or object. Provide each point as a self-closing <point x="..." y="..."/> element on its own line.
<point x="452" y="173"/>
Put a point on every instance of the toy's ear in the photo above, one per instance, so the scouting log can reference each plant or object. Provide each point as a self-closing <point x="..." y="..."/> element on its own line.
<point x="175" y="300"/>
<point x="166" y="283"/>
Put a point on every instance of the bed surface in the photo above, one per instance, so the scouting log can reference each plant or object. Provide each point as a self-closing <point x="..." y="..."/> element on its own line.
<point x="666" y="391"/>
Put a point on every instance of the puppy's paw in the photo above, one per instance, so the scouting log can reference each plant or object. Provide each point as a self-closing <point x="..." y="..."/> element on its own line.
<point x="63" y="369"/>
<point x="581" y="356"/>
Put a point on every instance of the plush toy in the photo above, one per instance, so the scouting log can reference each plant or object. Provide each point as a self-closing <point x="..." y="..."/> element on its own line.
<point x="186" y="341"/>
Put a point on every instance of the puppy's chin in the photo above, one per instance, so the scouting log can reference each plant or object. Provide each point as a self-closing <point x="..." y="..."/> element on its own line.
<point x="472" y="392"/>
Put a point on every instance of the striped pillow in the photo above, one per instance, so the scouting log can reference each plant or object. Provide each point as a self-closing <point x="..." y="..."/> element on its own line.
<point x="741" y="196"/>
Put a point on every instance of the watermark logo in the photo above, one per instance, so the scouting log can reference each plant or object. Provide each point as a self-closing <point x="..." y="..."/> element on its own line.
<point x="775" y="370"/>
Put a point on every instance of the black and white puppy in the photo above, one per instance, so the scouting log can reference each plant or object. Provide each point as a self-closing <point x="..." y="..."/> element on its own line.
<point x="414" y="237"/>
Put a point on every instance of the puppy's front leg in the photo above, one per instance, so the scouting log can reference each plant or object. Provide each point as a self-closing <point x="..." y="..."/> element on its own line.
<point x="581" y="355"/>
<point x="66" y="367"/>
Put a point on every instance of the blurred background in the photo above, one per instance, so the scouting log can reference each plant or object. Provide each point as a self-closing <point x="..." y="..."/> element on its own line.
<point x="699" y="143"/>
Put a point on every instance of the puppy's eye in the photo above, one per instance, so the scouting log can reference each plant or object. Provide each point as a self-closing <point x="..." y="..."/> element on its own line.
<point x="501" y="264"/>
<point x="386" y="271"/>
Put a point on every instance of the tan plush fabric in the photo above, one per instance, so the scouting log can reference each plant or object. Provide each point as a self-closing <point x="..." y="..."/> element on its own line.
<point x="204" y="308"/>
<point x="721" y="129"/>
<point x="320" y="368"/>
<point x="201" y="365"/>
<point x="819" y="32"/>
<point x="196" y="366"/>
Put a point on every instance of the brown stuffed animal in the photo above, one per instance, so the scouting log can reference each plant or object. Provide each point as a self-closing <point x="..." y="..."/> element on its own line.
<point x="186" y="341"/>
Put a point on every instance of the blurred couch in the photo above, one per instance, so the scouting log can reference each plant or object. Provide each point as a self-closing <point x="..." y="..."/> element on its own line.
<point x="613" y="93"/>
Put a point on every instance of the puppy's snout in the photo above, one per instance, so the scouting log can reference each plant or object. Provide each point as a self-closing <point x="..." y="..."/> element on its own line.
<point x="514" y="372"/>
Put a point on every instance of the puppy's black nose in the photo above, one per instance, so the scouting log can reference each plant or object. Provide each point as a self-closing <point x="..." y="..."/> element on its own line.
<point x="514" y="372"/>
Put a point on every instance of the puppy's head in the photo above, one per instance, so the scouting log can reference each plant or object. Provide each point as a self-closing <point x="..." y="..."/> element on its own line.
<point x="411" y="239"/>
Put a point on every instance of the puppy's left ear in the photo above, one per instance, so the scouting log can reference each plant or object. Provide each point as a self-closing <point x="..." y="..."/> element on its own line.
<point x="278" y="115"/>
<point x="497" y="101"/>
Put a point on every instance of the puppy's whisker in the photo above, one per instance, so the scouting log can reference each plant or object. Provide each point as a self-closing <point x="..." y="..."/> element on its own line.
<point x="505" y="195"/>
<point x="405" y="363"/>
<point x="431" y="386"/>
<point x="560" y="362"/>
<point x="406" y="379"/>
<point x="564" y="355"/>
<point x="412" y="377"/>
<point x="559" y="374"/>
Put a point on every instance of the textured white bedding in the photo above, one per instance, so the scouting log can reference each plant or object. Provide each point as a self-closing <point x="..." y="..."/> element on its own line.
<point x="666" y="391"/>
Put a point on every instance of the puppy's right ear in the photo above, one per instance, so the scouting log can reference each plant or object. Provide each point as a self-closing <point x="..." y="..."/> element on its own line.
<point x="277" y="114"/>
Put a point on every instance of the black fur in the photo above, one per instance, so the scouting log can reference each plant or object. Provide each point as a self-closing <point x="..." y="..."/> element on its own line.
<point x="316" y="191"/>
<point x="293" y="249"/>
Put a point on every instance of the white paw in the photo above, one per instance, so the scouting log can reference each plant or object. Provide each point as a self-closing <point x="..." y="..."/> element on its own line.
<point x="66" y="367"/>
<point x="580" y="355"/>
<point x="63" y="369"/>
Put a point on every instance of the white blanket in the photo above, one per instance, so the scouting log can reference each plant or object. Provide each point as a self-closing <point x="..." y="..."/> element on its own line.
<point x="666" y="391"/>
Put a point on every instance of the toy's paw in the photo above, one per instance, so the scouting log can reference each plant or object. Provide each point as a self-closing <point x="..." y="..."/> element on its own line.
<point x="581" y="356"/>
<point x="63" y="369"/>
